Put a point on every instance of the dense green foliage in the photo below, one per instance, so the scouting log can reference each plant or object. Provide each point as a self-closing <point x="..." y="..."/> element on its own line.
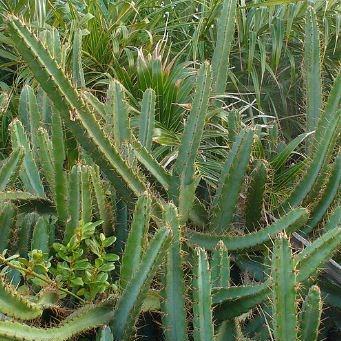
<point x="170" y="170"/>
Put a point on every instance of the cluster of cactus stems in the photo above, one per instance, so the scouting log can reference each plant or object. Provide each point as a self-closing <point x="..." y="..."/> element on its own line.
<point x="172" y="235"/>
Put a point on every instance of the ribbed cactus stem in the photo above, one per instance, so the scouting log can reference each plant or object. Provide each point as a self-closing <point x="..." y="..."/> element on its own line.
<point x="136" y="240"/>
<point x="225" y="35"/>
<point x="174" y="303"/>
<point x="202" y="308"/>
<point x="220" y="265"/>
<point x="10" y="167"/>
<point x="130" y="303"/>
<point x="312" y="69"/>
<point x="230" y="182"/>
<point x="85" y="319"/>
<point x="311" y="315"/>
<point x="255" y="196"/>
<point x="284" y="316"/>
<point x="147" y="119"/>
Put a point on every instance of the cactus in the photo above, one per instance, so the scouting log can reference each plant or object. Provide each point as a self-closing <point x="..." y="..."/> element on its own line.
<point x="234" y="301"/>
<point x="30" y="174"/>
<point x="202" y="320"/>
<point x="327" y="198"/>
<point x="97" y="157"/>
<point x="104" y="207"/>
<point x="225" y="34"/>
<point x="174" y="306"/>
<point x="60" y="181"/>
<point x="15" y="305"/>
<point x="312" y="69"/>
<point x="283" y="292"/>
<point x="183" y="181"/>
<point x="328" y="126"/>
<point x="7" y="216"/>
<point x="85" y="319"/>
<point x="86" y="196"/>
<point x="289" y="223"/>
<point x="119" y="114"/>
<point x="136" y="240"/>
<point x="220" y="266"/>
<point x="254" y="205"/>
<point x="74" y="202"/>
<point x="41" y="236"/>
<point x="73" y="109"/>
<point x="104" y="334"/>
<point x="147" y="119"/>
<point x="10" y="168"/>
<point x="129" y="305"/>
<point x="315" y="254"/>
<point x="77" y="68"/>
<point x="311" y="315"/>
<point x="46" y="157"/>
<point x="230" y="182"/>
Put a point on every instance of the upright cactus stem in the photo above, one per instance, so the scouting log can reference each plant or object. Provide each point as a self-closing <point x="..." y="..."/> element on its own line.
<point x="311" y="315"/>
<point x="175" y="324"/>
<point x="147" y="119"/>
<point x="129" y="305"/>
<point x="230" y="182"/>
<point x="312" y="69"/>
<point x="225" y="35"/>
<point x="254" y="204"/>
<point x="220" y="266"/>
<point x="284" y="292"/>
<point x="183" y="182"/>
<point x="202" y="320"/>
<point x="11" y="167"/>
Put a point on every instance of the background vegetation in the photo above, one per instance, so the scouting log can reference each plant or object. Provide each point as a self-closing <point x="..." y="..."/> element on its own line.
<point x="170" y="170"/>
